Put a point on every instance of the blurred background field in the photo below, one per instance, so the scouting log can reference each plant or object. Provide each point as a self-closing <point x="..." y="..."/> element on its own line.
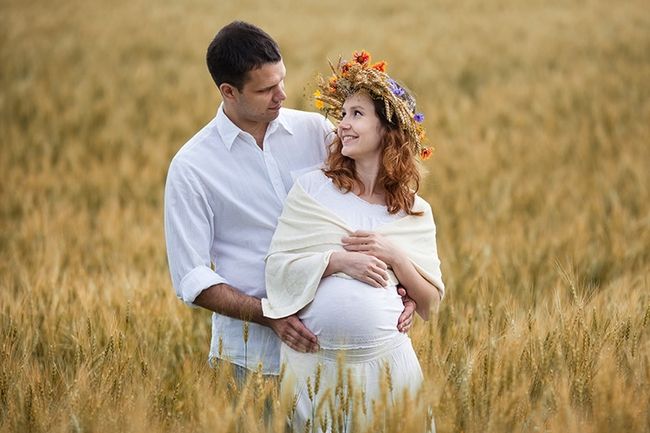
<point x="540" y="186"/>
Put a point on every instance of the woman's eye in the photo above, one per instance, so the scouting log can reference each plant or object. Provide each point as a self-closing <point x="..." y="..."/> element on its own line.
<point x="358" y="113"/>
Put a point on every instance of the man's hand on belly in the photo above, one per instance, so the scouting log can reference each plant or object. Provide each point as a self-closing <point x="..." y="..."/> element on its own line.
<point x="294" y="333"/>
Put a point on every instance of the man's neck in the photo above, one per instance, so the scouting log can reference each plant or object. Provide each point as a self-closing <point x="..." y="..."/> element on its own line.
<point x="256" y="129"/>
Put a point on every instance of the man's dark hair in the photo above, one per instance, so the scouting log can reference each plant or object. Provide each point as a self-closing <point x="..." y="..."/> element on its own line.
<point x="237" y="49"/>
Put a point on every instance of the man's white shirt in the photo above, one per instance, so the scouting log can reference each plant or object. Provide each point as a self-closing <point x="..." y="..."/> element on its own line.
<point x="223" y="197"/>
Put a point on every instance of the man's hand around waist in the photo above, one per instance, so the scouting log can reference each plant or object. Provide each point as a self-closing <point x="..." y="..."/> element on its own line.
<point x="405" y="320"/>
<point x="294" y="333"/>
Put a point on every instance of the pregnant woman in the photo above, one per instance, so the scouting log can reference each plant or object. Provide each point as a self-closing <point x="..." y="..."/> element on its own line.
<point x="349" y="233"/>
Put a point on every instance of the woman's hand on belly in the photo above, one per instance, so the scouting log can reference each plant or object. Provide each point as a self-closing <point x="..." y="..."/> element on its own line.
<point x="374" y="244"/>
<point x="423" y="292"/>
<point x="362" y="267"/>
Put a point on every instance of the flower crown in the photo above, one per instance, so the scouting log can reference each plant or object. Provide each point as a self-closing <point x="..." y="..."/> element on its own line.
<point x="359" y="74"/>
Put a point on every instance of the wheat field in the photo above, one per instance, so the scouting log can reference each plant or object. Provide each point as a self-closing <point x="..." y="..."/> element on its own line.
<point x="540" y="186"/>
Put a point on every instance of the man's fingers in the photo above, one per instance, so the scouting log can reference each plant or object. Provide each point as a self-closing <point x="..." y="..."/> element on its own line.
<point x="295" y="335"/>
<point x="301" y="346"/>
<point x="289" y="341"/>
<point x="405" y="325"/>
<point x="304" y="333"/>
<point x="305" y="346"/>
<point x="405" y="320"/>
<point x="409" y="306"/>
<point x="296" y="343"/>
<point x="301" y="336"/>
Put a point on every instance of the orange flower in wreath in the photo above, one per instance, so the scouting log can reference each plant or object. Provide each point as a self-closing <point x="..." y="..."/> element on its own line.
<point x="379" y="66"/>
<point x="426" y="153"/>
<point x="361" y="57"/>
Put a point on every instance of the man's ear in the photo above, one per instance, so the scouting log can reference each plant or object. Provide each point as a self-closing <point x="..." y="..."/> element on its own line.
<point x="228" y="91"/>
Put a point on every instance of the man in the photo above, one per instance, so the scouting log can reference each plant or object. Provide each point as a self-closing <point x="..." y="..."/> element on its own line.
<point x="225" y="190"/>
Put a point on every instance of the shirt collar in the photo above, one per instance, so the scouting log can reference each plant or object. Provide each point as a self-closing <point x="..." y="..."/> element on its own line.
<point x="281" y="122"/>
<point x="229" y="131"/>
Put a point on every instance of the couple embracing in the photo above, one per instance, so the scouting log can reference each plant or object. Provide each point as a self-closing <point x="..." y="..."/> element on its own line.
<point x="313" y="234"/>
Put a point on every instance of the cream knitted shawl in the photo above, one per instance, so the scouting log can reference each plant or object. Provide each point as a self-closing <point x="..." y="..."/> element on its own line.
<point x="308" y="233"/>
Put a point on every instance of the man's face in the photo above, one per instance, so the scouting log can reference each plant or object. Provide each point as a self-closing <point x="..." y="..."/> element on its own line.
<point x="261" y="97"/>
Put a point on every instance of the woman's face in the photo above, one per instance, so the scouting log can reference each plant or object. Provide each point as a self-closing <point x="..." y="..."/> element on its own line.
<point x="360" y="129"/>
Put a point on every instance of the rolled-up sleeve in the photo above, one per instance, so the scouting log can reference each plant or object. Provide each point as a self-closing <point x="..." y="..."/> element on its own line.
<point x="188" y="233"/>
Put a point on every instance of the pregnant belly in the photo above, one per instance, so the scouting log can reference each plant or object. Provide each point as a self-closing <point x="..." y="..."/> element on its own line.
<point x="349" y="314"/>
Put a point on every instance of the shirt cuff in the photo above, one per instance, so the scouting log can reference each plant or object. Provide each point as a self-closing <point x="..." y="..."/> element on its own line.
<point x="196" y="281"/>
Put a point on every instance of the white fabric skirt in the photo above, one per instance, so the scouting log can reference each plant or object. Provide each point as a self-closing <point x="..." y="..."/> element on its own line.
<point x="322" y="383"/>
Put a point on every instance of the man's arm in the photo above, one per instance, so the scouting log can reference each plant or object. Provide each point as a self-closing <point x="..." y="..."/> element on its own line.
<point x="188" y="219"/>
<point x="225" y="299"/>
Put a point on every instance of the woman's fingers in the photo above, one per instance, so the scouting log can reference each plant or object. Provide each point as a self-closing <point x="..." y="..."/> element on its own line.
<point x="378" y="275"/>
<point x="367" y="243"/>
<point x="371" y="282"/>
<point x="358" y="238"/>
<point x="359" y="234"/>
<point x="358" y="245"/>
<point x="368" y="269"/>
<point x="381" y="270"/>
<point x="354" y="247"/>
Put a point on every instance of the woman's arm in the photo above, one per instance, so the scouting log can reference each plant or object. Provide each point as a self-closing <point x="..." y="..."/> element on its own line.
<point x="424" y="293"/>
<point x="362" y="267"/>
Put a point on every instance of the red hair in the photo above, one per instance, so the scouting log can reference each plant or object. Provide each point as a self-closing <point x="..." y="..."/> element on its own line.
<point x="398" y="174"/>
